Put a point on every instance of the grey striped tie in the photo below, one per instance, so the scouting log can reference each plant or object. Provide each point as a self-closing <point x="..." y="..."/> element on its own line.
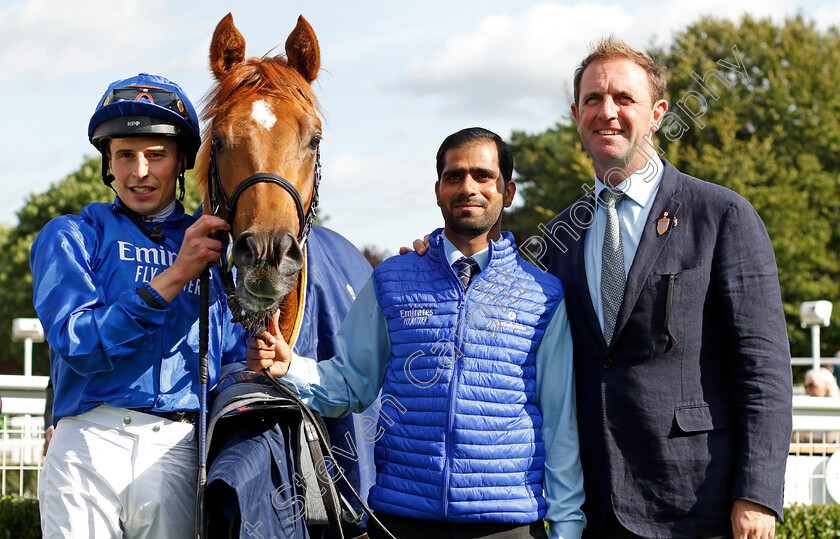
<point x="612" y="263"/>
<point x="466" y="268"/>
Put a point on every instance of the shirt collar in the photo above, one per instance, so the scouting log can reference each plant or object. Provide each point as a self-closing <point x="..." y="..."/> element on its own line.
<point x="162" y="215"/>
<point x="639" y="185"/>
<point x="482" y="257"/>
<point x="174" y="211"/>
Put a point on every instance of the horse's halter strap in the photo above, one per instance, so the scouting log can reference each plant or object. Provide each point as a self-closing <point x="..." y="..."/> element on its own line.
<point x="216" y="192"/>
<point x="258" y="322"/>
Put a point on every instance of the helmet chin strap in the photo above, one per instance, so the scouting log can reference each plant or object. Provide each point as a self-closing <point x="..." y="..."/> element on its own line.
<point x="181" y="179"/>
<point x="135" y="217"/>
<point x="107" y="177"/>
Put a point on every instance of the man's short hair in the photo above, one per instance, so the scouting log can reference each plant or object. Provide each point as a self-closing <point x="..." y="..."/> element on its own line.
<point x="610" y="48"/>
<point x="473" y="135"/>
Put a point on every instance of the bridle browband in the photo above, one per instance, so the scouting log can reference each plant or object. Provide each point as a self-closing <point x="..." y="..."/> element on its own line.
<point x="255" y="323"/>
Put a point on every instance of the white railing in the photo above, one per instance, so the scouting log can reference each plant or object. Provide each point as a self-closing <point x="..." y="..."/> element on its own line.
<point x="23" y="394"/>
<point x="21" y="434"/>
<point x="21" y="454"/>
<point x="816" y="425"/>
<point x="816" y="436"/>
<point x="822" y="361"/>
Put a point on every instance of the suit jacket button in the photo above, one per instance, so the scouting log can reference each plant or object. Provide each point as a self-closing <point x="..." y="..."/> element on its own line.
<point x="608" y="363"/>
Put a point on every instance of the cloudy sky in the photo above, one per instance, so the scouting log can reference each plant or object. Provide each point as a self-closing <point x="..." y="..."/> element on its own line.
<point x="396" y="78"/>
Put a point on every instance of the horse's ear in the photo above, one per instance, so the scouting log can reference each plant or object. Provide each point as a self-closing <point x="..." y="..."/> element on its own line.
<point x="302" y="50"/>
<point x="227" y="47"/>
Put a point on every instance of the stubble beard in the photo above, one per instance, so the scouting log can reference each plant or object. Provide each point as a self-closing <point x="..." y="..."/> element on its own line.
<point x="471" y="226"/>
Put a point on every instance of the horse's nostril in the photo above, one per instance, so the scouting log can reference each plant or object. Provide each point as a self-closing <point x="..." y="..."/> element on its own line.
<point x="267" y="249"/>
<point x="243" y="250"/>
<point x="286" y="247"/>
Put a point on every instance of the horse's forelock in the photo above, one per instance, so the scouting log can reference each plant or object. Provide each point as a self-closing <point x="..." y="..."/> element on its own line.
<point x="269" y="75"/>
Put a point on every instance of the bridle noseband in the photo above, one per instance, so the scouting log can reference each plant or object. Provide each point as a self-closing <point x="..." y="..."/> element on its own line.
<point x="255" y="323"/>
<point x="216" y="192"/>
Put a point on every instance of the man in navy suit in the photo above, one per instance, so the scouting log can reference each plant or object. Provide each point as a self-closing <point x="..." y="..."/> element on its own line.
<point x="681" y="353"/>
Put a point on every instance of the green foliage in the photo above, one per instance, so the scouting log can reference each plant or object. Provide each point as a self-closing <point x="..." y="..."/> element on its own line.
<point x="19" y="518"/>
<point x="806" y="522"/>
<point x="773" y="136"/>
<point x="68" y="196"/>
<point x="193" y="196"/>
<point x="28" y="484"/>
<point x="553" y="172"/>
<point x="810" y="522"/>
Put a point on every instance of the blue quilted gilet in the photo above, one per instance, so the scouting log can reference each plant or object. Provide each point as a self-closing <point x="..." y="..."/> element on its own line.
<point x="460" y="428"/>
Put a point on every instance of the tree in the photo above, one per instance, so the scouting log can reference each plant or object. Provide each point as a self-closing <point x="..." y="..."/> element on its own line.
<point x="553" y="171"/>
<point x="69" y="196"/>
<point x="772" y="135"/>
<point x="753" y="107"/>
<point x="374" y="256"/>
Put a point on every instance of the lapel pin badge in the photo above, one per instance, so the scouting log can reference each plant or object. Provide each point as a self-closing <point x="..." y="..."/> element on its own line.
<point x="663" y="223"/>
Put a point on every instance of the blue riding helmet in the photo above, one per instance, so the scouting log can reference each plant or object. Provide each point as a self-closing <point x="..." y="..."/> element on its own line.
<point x="146" y="106"/>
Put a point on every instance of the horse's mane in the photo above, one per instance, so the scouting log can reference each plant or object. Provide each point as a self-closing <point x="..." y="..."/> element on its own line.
<point x="269" y="75"/>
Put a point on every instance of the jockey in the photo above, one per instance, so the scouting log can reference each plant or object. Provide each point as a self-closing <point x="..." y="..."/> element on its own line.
<point x="116" y="289"/>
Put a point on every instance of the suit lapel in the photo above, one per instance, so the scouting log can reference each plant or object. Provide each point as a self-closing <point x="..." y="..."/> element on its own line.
<point x="579" y="273"/>
<point x="650" y="244"/>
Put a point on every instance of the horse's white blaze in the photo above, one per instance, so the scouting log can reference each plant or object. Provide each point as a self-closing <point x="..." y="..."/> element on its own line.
<point x="262" y="114"/>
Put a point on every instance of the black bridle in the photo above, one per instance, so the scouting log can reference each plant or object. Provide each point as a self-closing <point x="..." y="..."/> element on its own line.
<point x="218" y="197"/>
<point x="254" y="323"/>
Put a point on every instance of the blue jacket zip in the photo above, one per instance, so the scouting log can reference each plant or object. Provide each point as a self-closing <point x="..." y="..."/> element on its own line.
<point x="453" y="389"/>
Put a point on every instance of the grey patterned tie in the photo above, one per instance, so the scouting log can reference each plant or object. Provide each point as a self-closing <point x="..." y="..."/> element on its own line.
<point x="612" y="263"/>
<point x="466" y="267"/>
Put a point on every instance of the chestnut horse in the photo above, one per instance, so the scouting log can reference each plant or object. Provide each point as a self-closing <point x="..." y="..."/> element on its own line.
<point x="259" y="167"/>
<point x="263" y="133"/>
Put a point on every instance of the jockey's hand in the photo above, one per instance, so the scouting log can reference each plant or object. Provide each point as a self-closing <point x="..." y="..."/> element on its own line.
<point x="420" y="246"/>
<point x="198" y="250"/>
<point x="269" y="350"/>
<point x="47" y="437"/>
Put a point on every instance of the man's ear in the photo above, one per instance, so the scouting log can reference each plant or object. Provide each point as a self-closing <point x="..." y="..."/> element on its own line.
<point x="657" y="113"/>
<point x="437" y="192"/>
<point x="510" y="191"/>
<point x="575" y="116"/>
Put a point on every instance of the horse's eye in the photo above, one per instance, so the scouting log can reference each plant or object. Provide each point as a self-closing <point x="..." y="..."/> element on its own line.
<point x="218" y="145"/>
<point x="316" y="140"/>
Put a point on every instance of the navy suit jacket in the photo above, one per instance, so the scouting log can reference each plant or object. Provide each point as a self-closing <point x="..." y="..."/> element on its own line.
<point x="674" y="427"/>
